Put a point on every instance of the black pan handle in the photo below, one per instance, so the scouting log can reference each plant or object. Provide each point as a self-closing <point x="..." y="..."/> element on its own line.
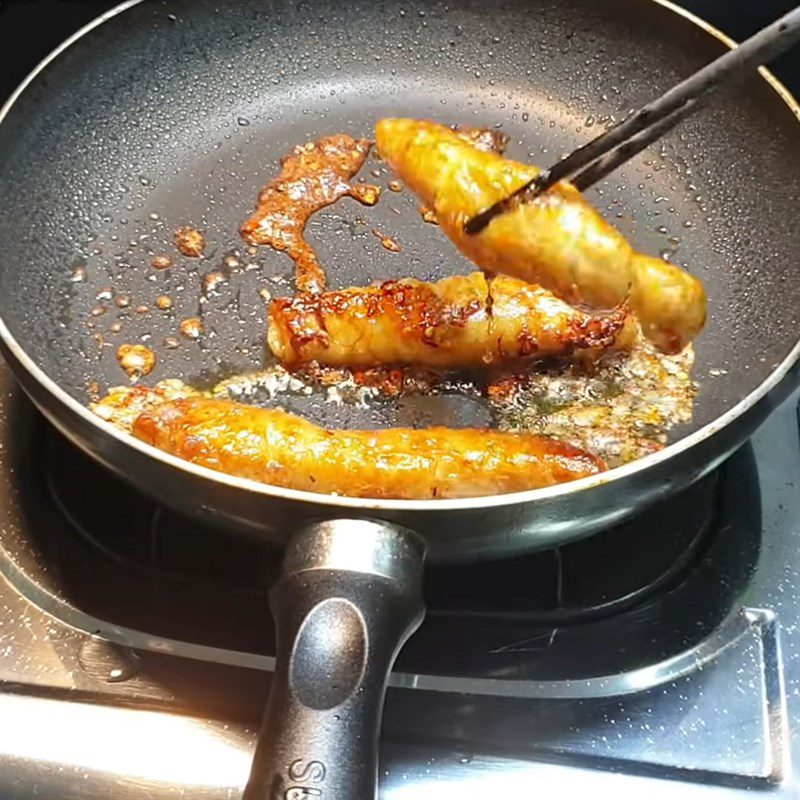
<point x="349" y="597"/>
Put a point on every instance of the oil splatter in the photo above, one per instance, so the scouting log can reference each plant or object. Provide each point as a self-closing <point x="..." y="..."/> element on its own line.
<point x="192" y="327"/>
<point x="136" y="360"/>
<point x="190" y="242"/>
<point x="392" y="245"/>
<point x="428" y="215"/>
<point x="619" y="408"/>
<point x="161" y="262"/>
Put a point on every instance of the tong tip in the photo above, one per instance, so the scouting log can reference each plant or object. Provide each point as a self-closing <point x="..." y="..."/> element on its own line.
<point x="524" y="194"/>
<point x="477" y="223"/>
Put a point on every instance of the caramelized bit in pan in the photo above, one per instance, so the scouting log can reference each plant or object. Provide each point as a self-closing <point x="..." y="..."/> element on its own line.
<point x="393" y="381"/>
<point x="136" y="360"/>
<point x="312" y="177"/>
<point x="392" y="245"/>
<point x="123" y="404"/>
<point x="192" y="327"/>
<point x="189" y="241"/>
<point x="161" y="262"/>
<point x="211" y="281"/>
<point x="558" y="241"/>
<point x="353" y="385"/>
<point x="428" y="215"/>
<point x="274" y="447"/>
<point x="460" y="322"/>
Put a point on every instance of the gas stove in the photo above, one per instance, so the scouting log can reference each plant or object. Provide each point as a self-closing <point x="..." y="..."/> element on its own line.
<point x="661" y="657"/>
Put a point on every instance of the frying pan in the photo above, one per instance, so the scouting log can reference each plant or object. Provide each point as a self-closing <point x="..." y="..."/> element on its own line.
<point x="163" y="114"/>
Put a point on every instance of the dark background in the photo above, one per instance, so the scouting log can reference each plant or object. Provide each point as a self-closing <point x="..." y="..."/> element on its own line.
<point x="29" y="29"/>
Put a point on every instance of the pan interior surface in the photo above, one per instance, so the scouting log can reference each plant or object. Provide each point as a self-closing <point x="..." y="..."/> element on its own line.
<point x="176" y="113"/>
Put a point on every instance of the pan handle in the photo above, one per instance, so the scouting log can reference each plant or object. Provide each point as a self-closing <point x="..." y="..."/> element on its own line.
<point x="349" y="596"/>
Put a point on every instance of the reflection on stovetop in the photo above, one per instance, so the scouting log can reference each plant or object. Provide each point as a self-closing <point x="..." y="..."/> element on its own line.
<point x="650" y="650"/>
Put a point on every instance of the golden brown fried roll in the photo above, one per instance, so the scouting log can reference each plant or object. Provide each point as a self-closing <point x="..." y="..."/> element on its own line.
<point x="460" y="322"/>
<point x="557" y="241"/>
<point x="271" y="446"/>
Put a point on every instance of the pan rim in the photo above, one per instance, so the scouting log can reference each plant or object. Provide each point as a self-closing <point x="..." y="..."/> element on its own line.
<point x="269" y="491"/>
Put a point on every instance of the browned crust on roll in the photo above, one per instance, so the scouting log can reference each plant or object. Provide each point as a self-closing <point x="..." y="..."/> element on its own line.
<point x="459" y="322"/>
<point x="274" y="447"/>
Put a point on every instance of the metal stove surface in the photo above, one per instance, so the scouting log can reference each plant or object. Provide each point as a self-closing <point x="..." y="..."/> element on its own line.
<point x="661" y="657"/>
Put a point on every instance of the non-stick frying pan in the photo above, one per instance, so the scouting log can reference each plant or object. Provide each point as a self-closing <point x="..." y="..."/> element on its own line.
<point x="175" y="113"/>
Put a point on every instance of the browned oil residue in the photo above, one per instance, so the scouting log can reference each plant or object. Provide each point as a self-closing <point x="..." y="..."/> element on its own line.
<point x="115" y="327"/>
<point x="190" y="242"/>
<point x="390" y="244"/>
<point x="192" y="328"/>
<point x="164" y="302"/>
<point x="161" y="262"/>
<point x="395" y="186"/>
<point x="78" y="274"/>
<point x="350" y="385"/>
<point x="428" y="215"/>
<point x="393" y="382"/>
<point x="98" y="311"/>
<point x="171" y="343"/>
<point x="212" y="281"/>
<point x="619" y="408"/>
<point x="122" y="300"/>
<point x="142" y="309"/>
<point x="136" y="360"/>
<point x="123" y="404"/>
<point x="312" y="176"/>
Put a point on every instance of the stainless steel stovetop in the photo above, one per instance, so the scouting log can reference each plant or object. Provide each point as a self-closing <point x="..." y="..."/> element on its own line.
<point x="662" y="657"/>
